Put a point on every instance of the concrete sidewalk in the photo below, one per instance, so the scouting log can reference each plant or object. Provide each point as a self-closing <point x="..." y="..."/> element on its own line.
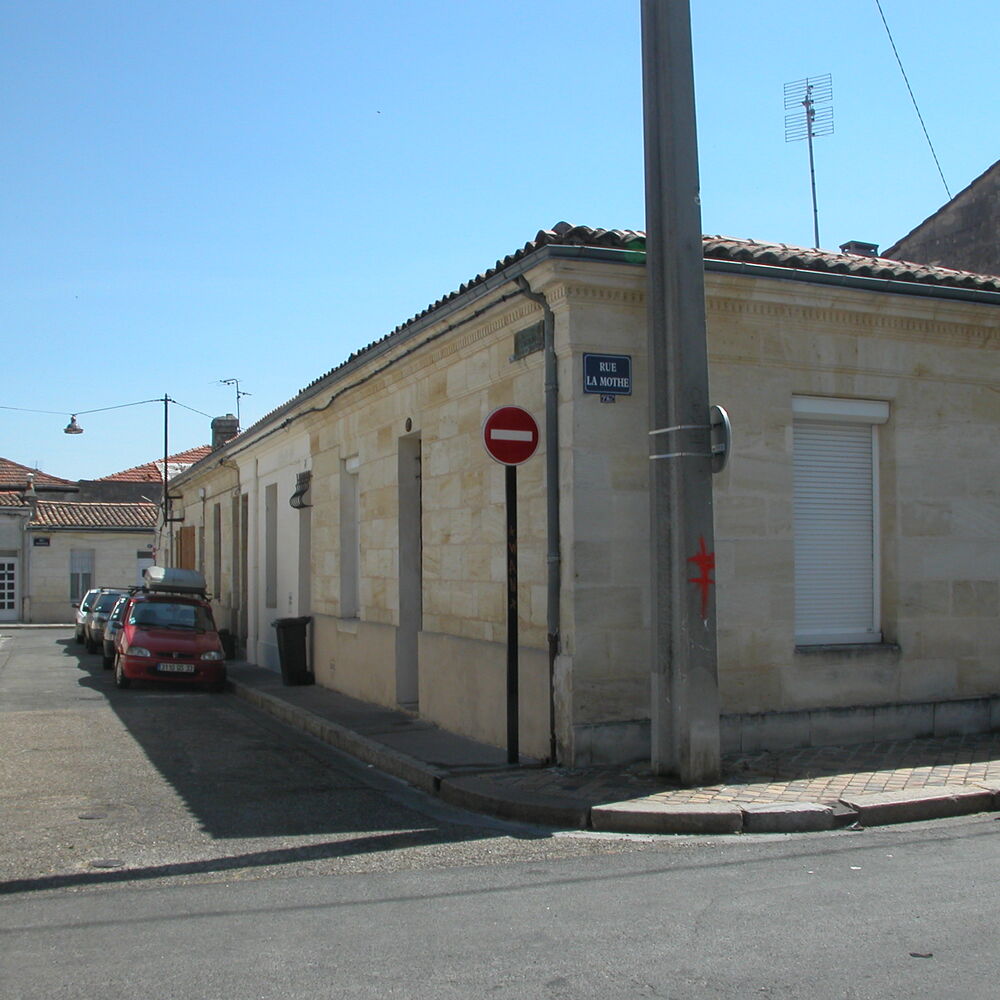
<point x="791" y="791"/>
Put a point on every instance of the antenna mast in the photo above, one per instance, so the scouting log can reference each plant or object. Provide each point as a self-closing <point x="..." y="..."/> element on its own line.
<point x="806" y="122"/>
<point x="239" y="393"/>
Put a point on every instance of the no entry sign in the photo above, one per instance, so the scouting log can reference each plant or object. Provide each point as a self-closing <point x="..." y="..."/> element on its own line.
<point x="510" y="435"/>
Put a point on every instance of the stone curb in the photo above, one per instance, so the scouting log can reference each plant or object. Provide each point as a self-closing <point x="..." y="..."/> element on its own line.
<point x="656" y="816"/>
<point x="30" y="625"/>
<point x="400" y="765"/>
<point x="481" y="795"/>
<point x="934" y="802"/>
<point x="787" y="817"/>
<point x="643" y="815"/>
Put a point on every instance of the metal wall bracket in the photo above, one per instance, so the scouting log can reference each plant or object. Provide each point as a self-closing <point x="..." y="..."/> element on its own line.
<point x="721" y="436"/>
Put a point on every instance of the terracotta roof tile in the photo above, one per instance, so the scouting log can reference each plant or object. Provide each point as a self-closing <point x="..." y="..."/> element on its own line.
<point x="715" y="248"/>
<point x="60" y="514"/>
<point x="801" y="258"/>
<point x="152" y="472"/>
<point x="15" y="477"/>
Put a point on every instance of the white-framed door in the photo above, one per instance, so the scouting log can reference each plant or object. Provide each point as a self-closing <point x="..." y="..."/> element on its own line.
<point x="9" y="575"/>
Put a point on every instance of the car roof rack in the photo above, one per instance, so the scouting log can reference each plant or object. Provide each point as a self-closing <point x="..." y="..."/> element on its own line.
<point x="171" y="580"/>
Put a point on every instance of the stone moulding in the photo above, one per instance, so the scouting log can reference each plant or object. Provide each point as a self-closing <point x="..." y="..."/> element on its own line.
<point x="859" y="321"/>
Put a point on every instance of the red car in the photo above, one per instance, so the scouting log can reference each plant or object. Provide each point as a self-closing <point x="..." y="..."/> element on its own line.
<point x="168" y="633"/>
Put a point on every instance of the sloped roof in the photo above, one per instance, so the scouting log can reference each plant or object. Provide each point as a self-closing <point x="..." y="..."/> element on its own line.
<point x="718" y="248"/>
<point x="62" y="514"/>
<point x="825" y="261"/>
<point x="152" y="472"/>
<point x="15" y="477"/>
<point x="631" y="244"/>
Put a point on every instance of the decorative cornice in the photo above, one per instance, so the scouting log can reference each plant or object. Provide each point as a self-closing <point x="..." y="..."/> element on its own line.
<point x="570" y="293"/>
<point x="919" y="374"/>
<point x="847" y="321"/>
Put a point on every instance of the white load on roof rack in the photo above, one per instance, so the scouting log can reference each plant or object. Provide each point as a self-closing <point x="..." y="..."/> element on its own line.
<point x="170" y="579"/>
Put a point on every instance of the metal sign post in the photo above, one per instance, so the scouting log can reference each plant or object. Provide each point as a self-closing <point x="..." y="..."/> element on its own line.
<point x="510" y="435"/>
<point x="513" y="721"/>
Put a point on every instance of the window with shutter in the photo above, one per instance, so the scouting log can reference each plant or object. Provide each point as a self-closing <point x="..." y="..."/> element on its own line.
<point x="835" y="448"/>
<point x="81" y="573"/>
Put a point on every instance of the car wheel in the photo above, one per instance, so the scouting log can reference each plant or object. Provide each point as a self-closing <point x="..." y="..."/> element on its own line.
<point x="121" y="681"/>
<point x="90" y="645"/>
<point x="78" y="636"/>
<point x="107" y="660"/>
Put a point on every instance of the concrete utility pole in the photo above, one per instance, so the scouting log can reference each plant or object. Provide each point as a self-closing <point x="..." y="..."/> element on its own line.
<point x="685" y="688"/>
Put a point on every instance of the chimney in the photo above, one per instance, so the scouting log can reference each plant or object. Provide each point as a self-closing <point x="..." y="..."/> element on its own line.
<point x="224" y="429"/>
<point x="29" y="496"/>
<point x="859" y="248"/>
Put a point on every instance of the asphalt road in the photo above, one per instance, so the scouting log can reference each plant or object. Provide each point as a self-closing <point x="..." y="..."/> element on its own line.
<point x="164" y="844"/>
<point x="158" y="784"/>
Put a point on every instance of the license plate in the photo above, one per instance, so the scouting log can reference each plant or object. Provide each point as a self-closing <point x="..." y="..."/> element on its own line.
<point x="175" y="668"/>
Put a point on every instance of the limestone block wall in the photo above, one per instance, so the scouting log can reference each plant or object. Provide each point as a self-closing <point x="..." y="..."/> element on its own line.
<point x="439" y="394"/>
<point x="604" y="668"/>
<point x="435" y="641"/>
<point x="115" y="565"/>
<point x="934" y="363"/>
<point x="961" y="234"/>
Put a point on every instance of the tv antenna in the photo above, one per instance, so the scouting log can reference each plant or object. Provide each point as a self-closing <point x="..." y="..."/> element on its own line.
<point x="239" y="393"/>
<point x="807" y="121"/>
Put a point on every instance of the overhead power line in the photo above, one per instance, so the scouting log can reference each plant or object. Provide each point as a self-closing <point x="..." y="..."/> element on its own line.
<point x="916" y="107"/>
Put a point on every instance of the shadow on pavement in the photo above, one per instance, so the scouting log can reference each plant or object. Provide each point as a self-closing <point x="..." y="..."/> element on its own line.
<point x="242" y="777"/>
<point x="235" y="862"/>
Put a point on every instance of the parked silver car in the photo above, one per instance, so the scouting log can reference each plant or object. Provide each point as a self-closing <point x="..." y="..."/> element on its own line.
<point x="93" y="623"/>
<point x="111" y="629"/>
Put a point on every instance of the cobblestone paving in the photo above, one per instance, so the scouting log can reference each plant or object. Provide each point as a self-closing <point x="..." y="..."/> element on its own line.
<point x="816" y="774"/>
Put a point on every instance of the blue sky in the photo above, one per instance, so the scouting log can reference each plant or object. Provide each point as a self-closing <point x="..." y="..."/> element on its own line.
<point x="198" y="191"/>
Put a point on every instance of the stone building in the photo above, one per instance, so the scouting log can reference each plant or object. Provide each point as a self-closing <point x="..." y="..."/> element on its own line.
<point x="963" y="233"/>
<point x="58" y="537"/>
<point x="857" y="562"/>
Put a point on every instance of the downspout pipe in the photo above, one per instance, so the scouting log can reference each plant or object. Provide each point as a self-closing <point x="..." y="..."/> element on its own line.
<point x="554" y="554"/>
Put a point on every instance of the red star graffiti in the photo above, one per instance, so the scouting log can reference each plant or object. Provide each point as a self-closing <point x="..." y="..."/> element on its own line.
<point x="705" y="561"/>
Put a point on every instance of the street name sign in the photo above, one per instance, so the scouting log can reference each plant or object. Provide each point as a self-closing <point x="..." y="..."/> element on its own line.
<point x="608" y="374"/>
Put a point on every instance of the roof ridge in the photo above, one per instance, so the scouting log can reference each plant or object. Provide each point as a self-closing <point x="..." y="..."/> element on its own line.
<point x="723" y="248"/>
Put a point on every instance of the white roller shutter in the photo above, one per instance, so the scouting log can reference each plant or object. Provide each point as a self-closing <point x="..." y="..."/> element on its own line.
<point x="835" y="532"/>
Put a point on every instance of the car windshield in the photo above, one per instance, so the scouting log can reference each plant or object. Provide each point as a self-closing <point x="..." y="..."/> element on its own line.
<point x="88" y="601"/>
<point x="106" y="602"/>
<point x="160" y="614"/>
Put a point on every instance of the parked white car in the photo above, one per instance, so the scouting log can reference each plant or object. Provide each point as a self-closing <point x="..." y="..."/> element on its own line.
<point x="82" y="610"/>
